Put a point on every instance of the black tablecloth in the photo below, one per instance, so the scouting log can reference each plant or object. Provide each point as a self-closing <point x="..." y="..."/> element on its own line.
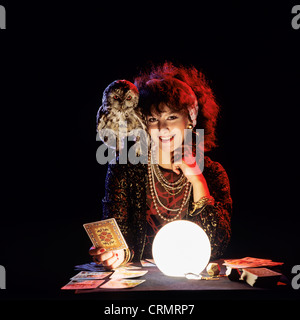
<point x="157" y="282"/>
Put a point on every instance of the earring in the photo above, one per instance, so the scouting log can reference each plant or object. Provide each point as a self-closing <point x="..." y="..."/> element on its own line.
<point x="190" y="126"/>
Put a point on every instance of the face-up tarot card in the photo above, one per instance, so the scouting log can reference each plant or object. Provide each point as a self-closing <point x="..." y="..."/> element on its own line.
<point x="85" y="284"/>
<point x="122" y="273"/>
<point x="121" y="284"/>
<point x="85" y="275"/>
<point x="249" y="262"/>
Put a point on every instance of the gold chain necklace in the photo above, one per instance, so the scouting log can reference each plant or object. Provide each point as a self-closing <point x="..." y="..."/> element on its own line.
<point x="162" y="178"/>
<point x="173" y="188"/>
<point x="155" y="197"/>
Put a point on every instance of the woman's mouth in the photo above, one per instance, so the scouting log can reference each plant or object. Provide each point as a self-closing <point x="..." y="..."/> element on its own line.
<point x="165" y="139"/>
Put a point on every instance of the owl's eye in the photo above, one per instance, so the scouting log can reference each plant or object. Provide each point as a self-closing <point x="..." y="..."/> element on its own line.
<point x="129" y="98"/>
<point x="116" y="97"/>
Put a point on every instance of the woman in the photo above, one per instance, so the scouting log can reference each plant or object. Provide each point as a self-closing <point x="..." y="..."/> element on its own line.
<point x="144" y="197"/>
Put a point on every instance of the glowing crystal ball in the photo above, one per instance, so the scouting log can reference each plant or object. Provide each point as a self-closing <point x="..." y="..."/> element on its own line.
<point x="181" y="247"/>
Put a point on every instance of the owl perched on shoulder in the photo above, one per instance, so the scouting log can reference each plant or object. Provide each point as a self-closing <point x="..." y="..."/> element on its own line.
<point x="119" y="114"/>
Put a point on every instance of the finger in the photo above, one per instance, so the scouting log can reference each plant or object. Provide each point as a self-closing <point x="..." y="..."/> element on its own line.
<point x="95" y="259"/>
<point x="116" y="264"/>
<point x="105" y="256"/>
<point x="96" y="251"/>
<point x="176" y="168"/>
<point x="109" y="262"/>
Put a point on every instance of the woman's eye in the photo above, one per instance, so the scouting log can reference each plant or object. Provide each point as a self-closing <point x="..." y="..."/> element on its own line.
<point x="129" y="98"/>
<point x="172" y="117"/>
<point x="116" y="97"/>
<point x="151" y="119"/>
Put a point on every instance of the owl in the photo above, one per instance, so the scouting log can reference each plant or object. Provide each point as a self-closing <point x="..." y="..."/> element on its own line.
<point x="119" y="115"/>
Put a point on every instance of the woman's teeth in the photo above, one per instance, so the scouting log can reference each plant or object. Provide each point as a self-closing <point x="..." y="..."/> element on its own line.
<point x="166" y="138"/>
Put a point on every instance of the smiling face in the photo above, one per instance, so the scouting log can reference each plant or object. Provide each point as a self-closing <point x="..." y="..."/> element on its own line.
<point x="167" y="128"/>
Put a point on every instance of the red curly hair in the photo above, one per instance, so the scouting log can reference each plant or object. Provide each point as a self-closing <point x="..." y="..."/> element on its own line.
<point x="152" y="93"/>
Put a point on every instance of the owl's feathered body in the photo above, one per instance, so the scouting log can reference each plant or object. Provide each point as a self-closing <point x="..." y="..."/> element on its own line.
<point x="119" y="113"/>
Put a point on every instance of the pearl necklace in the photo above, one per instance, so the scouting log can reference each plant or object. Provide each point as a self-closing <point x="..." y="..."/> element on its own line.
<point x="168" y="188"/>
<point x="155" y="197"/>
<point x="173" y="188"/>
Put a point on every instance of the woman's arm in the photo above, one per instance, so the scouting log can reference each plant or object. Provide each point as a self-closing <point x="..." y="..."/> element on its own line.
<point x="115" y="202"/>
<point x="215" y="219"/>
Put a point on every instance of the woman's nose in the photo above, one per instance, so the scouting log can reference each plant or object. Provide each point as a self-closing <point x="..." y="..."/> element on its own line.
<point x="162" y="126"/>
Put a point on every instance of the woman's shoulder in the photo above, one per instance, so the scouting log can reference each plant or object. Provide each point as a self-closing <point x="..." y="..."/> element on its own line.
<point x="127" y="169"/>
<point x="215" y="172"/>
<point x="211" y="165"/>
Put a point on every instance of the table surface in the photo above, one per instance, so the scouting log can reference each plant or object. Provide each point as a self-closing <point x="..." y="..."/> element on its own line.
<point x="156" y="281"/>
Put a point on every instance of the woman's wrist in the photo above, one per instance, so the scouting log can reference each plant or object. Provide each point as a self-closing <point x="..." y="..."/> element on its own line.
<point x="127" y="257"/>
<point x="200" y="205"/>
<point x="200" y="189"/>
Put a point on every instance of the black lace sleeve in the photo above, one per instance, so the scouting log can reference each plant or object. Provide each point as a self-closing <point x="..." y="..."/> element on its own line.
<point x="216" y="220"/>
<point x="125" y="200"/>
<point x="115" y="202"/>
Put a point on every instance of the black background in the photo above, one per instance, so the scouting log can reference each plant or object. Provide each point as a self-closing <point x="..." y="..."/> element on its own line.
<point x="55" y="63"/>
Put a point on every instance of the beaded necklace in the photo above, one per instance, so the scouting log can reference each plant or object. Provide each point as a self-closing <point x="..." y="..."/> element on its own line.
<point x="168" y="186"/>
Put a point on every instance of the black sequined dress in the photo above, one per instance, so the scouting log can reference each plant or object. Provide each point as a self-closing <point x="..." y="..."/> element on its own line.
<point x="127" y="199"/>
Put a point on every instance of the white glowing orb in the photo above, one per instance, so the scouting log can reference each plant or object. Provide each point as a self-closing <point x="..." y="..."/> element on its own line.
<point x="181" y="247"/>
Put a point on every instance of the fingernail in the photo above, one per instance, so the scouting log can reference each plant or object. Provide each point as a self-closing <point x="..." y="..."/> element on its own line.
<point x="102" y="250"/>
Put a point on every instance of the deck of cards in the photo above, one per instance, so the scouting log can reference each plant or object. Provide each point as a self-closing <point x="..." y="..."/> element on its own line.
<point x="106" y="234"/>
<point x="249" y="262"/>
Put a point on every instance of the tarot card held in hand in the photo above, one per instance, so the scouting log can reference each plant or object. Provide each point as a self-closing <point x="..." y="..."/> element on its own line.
<point x="106" y="234"/>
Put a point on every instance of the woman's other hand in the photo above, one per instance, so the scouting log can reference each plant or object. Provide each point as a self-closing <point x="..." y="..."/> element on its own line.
<point x="192" y="171"/>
